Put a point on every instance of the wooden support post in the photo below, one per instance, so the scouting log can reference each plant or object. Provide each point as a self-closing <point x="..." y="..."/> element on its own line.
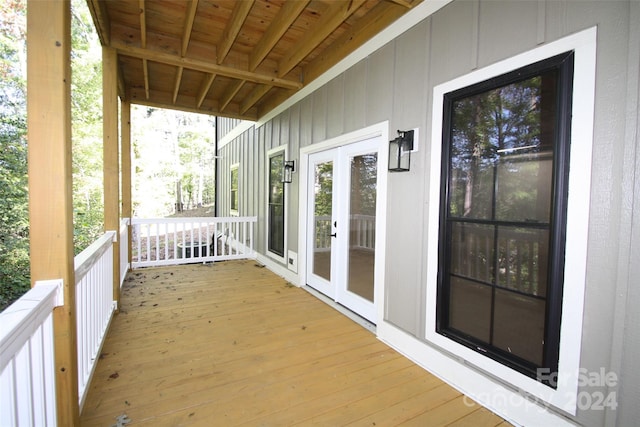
<point x="125" y="126"/>
<point x="50" y="186"/>
<point x="111" y="158"/>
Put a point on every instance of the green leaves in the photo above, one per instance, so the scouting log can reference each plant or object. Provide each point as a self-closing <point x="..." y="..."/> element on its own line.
<point x="14" y="213"/>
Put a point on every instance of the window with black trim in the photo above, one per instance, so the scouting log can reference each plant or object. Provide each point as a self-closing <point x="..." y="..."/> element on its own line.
<point x="276" y="204"/>
<point x="234" y="190"/>
<point x="505" y="165"/>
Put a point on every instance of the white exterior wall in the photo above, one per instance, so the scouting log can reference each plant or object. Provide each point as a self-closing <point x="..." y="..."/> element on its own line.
<point x="395" y="83"/>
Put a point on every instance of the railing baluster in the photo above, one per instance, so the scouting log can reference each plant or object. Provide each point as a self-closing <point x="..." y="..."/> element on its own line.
<point x="175" y="240"/>
<point x="157" y="247"/>
<point x="244" y="238"/>
<point x="251" y="236"/>
<point x="138" y="234"/>
<point x="148" y="237"/>
<point x="215" y="238"/>
<point x="166" y="241"/>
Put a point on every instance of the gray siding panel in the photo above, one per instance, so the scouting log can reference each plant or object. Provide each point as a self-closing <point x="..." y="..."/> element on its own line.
<point x="380" y="72"/>
<point x="627" y="332"/>
<point x="335" y="110"/>
<point x="452" y="41"/>
<point x="319" y="115"/>
<point x="355" y="97"/>
<point x="505" y="29"/>
<point x="306" y="121"/>
<point x="405" y="190"/>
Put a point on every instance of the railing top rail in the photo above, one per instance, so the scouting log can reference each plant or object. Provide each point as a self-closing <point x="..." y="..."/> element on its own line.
<point x="210" y="219"/>
<point x="85" y="259"/>
<point x="22" y="318"/>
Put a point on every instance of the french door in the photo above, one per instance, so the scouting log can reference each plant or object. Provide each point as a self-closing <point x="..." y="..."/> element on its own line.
<point x="341" y="224"/>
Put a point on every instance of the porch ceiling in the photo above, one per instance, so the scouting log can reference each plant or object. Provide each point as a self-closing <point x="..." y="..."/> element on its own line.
<point x="232" y="58"/>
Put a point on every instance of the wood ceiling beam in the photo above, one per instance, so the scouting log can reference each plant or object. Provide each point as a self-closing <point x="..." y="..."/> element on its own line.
<point x="238" y="16"/>
<point x="162" y="100"/>
<point x="143" y="43"/>
<point x="273" y="101"/>
<point x="378" y="18"/>
<point x="403" y="3"/>
<point x="122" y="88"/>
<point x="101" y="20"/>
<point x="145" y="72"/>
<point x="204" y="89"/>
<point x="143" y="24"/>
<point x="176" y="86"/>
<point x="334" y="16"/>
<point x="188" y="26"/>
<point x="204" y="66"/>
<point x="286" y="16"/>
<point x="231" y="92"/>
<point x="186" y="38"/>
<point x="186" y="103"/>
<point x="254" y="97"/>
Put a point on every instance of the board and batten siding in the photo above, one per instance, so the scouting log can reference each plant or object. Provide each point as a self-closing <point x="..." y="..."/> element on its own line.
<point x="395" y="84"/>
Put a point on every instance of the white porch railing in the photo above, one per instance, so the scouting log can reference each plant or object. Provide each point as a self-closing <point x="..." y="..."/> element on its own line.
<point x="171" y="241"/>
<point x="27" y="378"/>
<point x="94" y="305"/>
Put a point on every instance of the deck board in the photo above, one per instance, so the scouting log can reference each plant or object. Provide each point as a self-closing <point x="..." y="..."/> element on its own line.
<point x="231" y="343"/>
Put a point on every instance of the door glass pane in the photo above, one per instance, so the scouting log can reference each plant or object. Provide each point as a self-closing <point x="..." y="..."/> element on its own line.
<point x="362" y="225"/>
<point x="322" y="211"/>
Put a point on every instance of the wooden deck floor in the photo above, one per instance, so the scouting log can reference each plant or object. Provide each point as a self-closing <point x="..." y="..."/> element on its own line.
<point x="230" y="343"/>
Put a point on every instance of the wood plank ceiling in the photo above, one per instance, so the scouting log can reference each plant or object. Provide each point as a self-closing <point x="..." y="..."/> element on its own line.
<point x="232" y="58"/>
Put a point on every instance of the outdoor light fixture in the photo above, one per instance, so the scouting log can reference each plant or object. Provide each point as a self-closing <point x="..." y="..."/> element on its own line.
<point x="289" y="169"/>
<point x="400" y="151"/>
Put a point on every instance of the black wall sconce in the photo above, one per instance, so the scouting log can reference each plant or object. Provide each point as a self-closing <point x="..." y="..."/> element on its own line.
<point x="287" y="172"/>
<point x="400" y="151"/>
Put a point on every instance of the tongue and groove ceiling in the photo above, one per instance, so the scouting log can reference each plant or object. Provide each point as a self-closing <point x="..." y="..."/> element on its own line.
<point x="232" y="58"/>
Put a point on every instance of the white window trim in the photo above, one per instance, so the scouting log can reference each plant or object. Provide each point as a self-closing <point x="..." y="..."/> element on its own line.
<point x="271" y="153"/>
<point x="234" y="212"/>
<point x="565" y="396"/>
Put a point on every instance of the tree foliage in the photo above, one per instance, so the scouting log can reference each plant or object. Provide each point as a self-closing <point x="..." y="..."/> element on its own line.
<point x="14" y="215"/>
<point x="86" y="111"/>
<point x="174" y="165"/>
<point x="87" y="142"/>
